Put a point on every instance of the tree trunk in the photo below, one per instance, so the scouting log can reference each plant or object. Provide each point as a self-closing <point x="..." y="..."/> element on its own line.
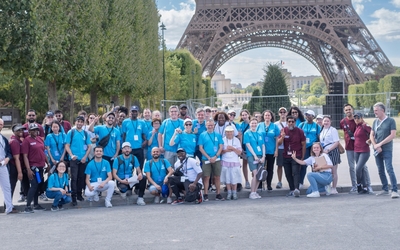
<point x="27" y="95"/>
<point x="93" y="100"/>
<point x="72" y="108"/>
<point x="115" y="99"/>
<point x="127" y="101"/>
<point x="52" y="95"/>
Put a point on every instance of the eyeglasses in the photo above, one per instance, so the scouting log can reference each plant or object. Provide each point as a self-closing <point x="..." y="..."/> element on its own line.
<point x="58" y="115"/>
<point x="188" y="124"/>
<point x="208" y="111"/>
<point x="91" y="117"/>
<point x="290" y="121"/>
<point x="213" y="111"/>
<point x="295" y="112"/>
<point x="232" y="114"/>
<point x="308" y="115"/>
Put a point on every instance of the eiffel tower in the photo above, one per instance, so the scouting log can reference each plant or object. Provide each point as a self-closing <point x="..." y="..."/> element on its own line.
<point x="328" y="33"/>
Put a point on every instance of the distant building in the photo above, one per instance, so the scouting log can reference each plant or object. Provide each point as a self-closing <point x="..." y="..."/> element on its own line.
<point x="236" y="86"/>
<point x="297" y="82"/>
<point x="220" y="84"/>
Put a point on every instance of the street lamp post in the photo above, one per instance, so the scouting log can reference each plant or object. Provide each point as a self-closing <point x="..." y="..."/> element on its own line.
<point x="193" y="83"/>
<point x="162" y="26"/>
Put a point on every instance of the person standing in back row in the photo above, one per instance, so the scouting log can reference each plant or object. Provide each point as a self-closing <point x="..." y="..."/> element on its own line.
<point x="382" y="134"/>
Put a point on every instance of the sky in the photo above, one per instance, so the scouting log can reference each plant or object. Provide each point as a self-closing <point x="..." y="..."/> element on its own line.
<point x="382" y="18"/>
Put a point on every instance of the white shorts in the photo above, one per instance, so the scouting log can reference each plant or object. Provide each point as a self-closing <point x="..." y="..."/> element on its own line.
<point x="231" y="175"/>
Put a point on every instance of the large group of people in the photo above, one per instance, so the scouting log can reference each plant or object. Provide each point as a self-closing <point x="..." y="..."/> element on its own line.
<point x="183" y="159"/>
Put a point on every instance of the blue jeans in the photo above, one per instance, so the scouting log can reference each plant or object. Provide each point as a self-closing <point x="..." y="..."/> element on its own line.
<point x="58" y="198"/>
<point x="318" y="181"/>
<point x="361" y="168"/>
<point x="303" y="169"/>
<point x="384" y="159"/>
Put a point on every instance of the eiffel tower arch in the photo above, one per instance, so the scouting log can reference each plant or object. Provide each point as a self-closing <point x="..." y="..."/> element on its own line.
<point x="328" y="33"/>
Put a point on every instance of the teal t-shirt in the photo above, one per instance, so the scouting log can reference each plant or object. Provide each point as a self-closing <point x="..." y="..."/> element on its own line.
<point x="79" y="142"/>
<point x="56" y="144"/>
<point x="186" y="141"/>
<point x="158" y="170"/>
<point x="270" y="134"/>
<point x="126" y="166"/>
<point x="311" y="132"/>
<point x="256" y="142"/>
<point x="133" y="130"/>
<point x="210" y="143"/>
<point x="167" y="129"/>
<point x="55" y="181"/>
<point x="98" y="170"/>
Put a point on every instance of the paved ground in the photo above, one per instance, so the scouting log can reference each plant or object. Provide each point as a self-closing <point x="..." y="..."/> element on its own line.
<point x="336" y="222"/>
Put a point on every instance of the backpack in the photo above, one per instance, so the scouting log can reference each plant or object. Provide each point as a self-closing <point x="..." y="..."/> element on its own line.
<point x="162" y="162"/>
<point x="261" y="173"/>
<point x="121" y="161"/>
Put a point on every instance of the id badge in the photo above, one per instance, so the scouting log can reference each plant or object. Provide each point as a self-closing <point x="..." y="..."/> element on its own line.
<point x="99" y="180"/>
<point x="126" y="176"/>
<point x="136" y="137"/>
<point x="159" y="179"/>
<point x="289" y="153"/>
<point x="183" y="178"/>
<point x="258" y="148"/>
<point x="215" y="149"/>
<point x="56" y="153"/>
<point x="266" y="139"/>
<point x="84" y="147"/>
<point x="307" y="140"/>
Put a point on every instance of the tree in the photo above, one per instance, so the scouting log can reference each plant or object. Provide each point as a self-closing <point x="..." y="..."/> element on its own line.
<point x="318" y="87"/>
<point x="255" y="104"/>
<point x="275" y="88"/>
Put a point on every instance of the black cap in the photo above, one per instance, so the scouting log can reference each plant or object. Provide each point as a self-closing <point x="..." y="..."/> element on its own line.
<point x="183" y="106"/>
<point x="17" y="127"/>
<point x="80" y="118"/>
<point x="180" y="150"/>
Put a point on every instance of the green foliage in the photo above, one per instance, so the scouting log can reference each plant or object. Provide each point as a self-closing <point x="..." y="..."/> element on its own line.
<point x="318" y="87"/>
<point x="255" y="104"/>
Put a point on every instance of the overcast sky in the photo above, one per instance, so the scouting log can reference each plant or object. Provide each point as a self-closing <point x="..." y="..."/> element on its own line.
<point x="382" y="18"/>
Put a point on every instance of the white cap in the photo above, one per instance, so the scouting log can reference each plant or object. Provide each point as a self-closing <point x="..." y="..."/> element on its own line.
<point x="229" y="128"/>
<point x="126" y="144"/>
<point x="187" y="120"/>
<point x="310" y="112"/>
<point x="320" y="116"/>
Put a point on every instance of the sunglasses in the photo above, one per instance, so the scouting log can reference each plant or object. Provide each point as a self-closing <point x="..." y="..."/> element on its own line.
<point x="188" y="124"/>
<point x="213" y="111"/>
<point x="58" y="115"/>
<point x="290" y="121"/>
<point x="295" y="112"/>
<point x="232" y="114"/>
<point x="282" y="112"/>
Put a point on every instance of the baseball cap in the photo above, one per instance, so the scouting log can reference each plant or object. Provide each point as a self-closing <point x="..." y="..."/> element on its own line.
<point x="135" y="108"/>
<point x="33" y="126"/>
<point x="282" y="108"/>
<point x="310" y="112"/>
<point x="180" y="150"/>
<point x="358" y="114"/>
<point x="231" y="111"/>
<point x="187" y="120"/>
<point x="17" y="127"/>
<point x="182" y="106"/>
<point x="207" y="108"/>
<point x="110" y="113"/>
<point x="229" y="128"/>
<point x="320" y="116"/>
<point x="126" y="144"/>
<point x="49" y="113"/>
<point x="80" y="118"/>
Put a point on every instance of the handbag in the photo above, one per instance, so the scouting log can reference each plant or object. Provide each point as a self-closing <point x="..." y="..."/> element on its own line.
<point x="341" y="148"/>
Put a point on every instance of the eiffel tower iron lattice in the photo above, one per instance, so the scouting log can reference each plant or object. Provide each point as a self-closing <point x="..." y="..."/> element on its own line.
<point x="328" y="33"/>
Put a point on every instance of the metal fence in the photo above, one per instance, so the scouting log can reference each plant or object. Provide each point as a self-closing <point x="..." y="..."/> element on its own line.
<point x="192" y="105"/>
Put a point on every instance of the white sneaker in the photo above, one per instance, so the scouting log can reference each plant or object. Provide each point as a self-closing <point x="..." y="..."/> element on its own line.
<point x="301" y="186"/>
<point x="140" y="201"/>
<point x="258" y="196"/>
<point x="296" y="193"/>
<point x="353" y="190"/>
<point x="328" y="190"/>
<point x="43" y="197"/>
<point x="334" y="191"/>
<point x="395" y="195"/>
<point x="96" y="196"/>
<point x="169" y="200"/>
<point x="108" y="204"/>
<point x="157" y="199"/>
<point x="123" y="195"/>
<point x="89" y="198"/>
<point x="253" y="196"/>
<point x="370" y="190"/>
<point x="313" y="195"/>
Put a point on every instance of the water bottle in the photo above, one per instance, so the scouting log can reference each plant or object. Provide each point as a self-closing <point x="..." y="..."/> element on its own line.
<point x="39" y="180"/>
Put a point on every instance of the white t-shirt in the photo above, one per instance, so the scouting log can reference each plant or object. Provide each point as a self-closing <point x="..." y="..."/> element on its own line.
<point x="311" y="160"/>
<point x="191" y="168"/>
<point x="279" y="124"/>
<point x="328" y="137"/>
<point x="231" y="156"/>
<point x="221" y="129"/>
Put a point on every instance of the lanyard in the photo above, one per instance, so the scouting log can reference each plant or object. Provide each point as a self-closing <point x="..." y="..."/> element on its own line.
<point x="255" y="137"/>
<point x="247" y="126"/>
<point x="101" y="167"/>
<point x="378" y="125"/>
<point x="158" y="168"/>
<point x="227" y="141"/>
<point x="134" y="126"/>
<point x="212" y="138"/>
<point x="129" y="159"/>
<point x="324" y="135"/>
<point x="56" y="141"/>
<point x="267" y="128"/>
<point x="59" y="182"/>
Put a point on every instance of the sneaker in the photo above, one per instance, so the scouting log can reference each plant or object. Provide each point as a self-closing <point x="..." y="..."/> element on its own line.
<point x="247" y="185"/>
<point x="301" y="186"/>
<point x="269" y="188"/>
<point x="96" y="196"/>
<point x="74" y="203"/>
<point x="234" y="196"/>
<point x="313" y="195"/>
<point x="334" y="191"/>
<point x="370" y="190"/>
<point x="90" y="198"/>
<point x="205" y="197"/>
<point x="219" y="197"/>
<point x="123" y="195"/>
<point x="54" y="209"/>
<point x="383" y="192"/>
<point x="296" y="193"/>
<point x="140" y="201"/>
<point x="80" y="198"/>
<point x="395" y="195"/>
<point x="28" y="210"/>
<point x="21" y="198"/>
<point x="228" y="196"/>
<point x="363" y="191"/>
<point x="14" y="211"/>
<point x="258" y="196"/>
<point x="359" y="188"/>
<point x="60" y="207"/>
<point x="213" y="188"/>
<point x="157" y="199"/>
<point x="253" y="196"/>
<point x="43" y="197"/>
<point x="353" y="190"/>
<point x="108" y="204"/>
<point x="199" y="200"/>
<point x="279" y="185"/>
<point x="169" y="200"/>
<point x="177" y="201"/>
<point x="289" y="194"/>
<point x="38" y="207"/>
<point x="328" y="190"/>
